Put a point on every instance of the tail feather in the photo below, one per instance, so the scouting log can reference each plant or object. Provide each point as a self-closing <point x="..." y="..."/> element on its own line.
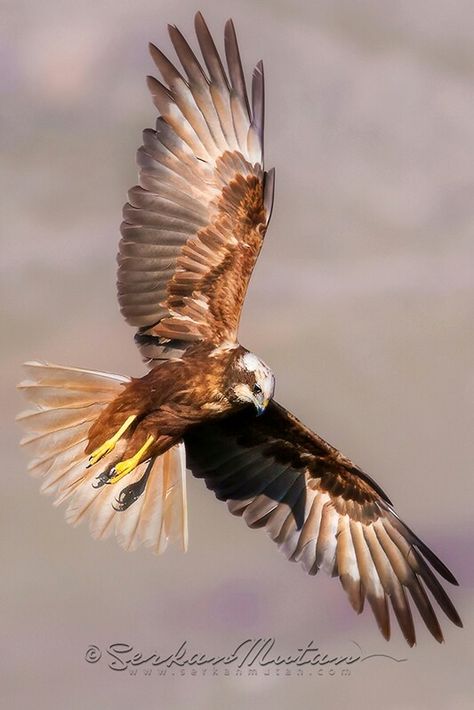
<point x="167" y="493"/>
<point x="50" y="397"/>
<point x="68" y="401"/>
<point x="44" y="421"/>
<point x="42" y="373"/>
<point x="49" y="444"/>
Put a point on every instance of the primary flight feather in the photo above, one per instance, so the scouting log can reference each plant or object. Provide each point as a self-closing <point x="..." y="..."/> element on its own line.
<point x="116" y="449"/>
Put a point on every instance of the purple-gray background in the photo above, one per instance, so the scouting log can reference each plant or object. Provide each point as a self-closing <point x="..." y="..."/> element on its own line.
<point x="361" y="302"/>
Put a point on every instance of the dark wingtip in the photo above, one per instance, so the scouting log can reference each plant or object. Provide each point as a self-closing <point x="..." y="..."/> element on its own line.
<point x="199" y="20"/>
<point x="229" y="26"/>
<point x="453" y="579"/>
<point x="405" y="622"/>
<point x="173" y="31"/>
<point x="385" y="631"/>
<point x="429" y="555"/>
<point x="435" y="631"/>
<point x="435" y="562"/>
<point x="229" y="33"/>
<point x="152" y="83"/>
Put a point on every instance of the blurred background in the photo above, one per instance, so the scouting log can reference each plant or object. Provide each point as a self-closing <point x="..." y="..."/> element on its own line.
<point x="370" y="125"/>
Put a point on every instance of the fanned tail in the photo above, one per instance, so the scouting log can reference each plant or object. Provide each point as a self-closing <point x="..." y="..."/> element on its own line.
<point x="148" y="508"/>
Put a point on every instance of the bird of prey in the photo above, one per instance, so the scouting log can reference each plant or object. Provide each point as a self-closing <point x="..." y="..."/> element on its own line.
<point x="117" y="448"/>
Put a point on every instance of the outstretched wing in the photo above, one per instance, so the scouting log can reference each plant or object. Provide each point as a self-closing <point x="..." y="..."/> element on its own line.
<point x="194" y="226"/>
<point x="322" y="511"/>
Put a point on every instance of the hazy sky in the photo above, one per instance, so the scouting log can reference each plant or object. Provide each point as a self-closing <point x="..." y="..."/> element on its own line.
<point x="362" y="302"/>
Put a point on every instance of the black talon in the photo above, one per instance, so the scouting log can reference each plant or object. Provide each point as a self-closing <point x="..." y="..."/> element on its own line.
<point x="132" y="492"/>
<point x="102" y="479"/>
<point x="128" y="495"/>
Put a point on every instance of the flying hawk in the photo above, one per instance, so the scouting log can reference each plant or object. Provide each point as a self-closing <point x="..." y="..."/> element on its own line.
<point x="116" y="448"/>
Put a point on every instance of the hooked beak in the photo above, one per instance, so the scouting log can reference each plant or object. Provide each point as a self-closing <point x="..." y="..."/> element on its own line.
<point x="261" y="405"/>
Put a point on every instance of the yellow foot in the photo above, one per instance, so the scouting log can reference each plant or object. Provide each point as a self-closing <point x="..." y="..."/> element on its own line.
<point x="123" y="468"/>
<point x="109" y="445"/>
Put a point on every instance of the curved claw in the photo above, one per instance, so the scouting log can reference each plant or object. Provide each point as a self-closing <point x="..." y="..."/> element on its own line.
<point x="101" y="479"/>
<point x="126" y="497"/>
<point x="131" y="493"/>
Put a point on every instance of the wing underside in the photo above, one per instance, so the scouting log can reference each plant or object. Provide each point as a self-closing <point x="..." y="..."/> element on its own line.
<point x="193" y="227"/>
<point x="323" y="512"/>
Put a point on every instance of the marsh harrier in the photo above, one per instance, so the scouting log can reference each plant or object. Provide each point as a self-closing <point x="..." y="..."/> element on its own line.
<point x="116" y="448"/>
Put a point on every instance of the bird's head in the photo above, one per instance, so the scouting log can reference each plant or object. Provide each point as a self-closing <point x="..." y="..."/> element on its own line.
<point x="252" y="382"/>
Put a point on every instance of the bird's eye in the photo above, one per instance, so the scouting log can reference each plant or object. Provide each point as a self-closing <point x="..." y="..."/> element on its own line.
<point x="257" y="389"/>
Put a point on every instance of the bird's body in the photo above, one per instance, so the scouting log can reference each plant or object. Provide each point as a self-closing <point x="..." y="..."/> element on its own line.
<point x="175" y="395"/>
<point x="117" y="448"/>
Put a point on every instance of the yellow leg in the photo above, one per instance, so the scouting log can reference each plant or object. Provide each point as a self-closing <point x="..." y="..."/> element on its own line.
<point x="122" y="468"/>
<point x="109" y="445"/>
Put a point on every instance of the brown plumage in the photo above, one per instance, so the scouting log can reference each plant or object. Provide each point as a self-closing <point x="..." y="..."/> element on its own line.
<point x="172" y="397"/>
<point x="116" y="448"/>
